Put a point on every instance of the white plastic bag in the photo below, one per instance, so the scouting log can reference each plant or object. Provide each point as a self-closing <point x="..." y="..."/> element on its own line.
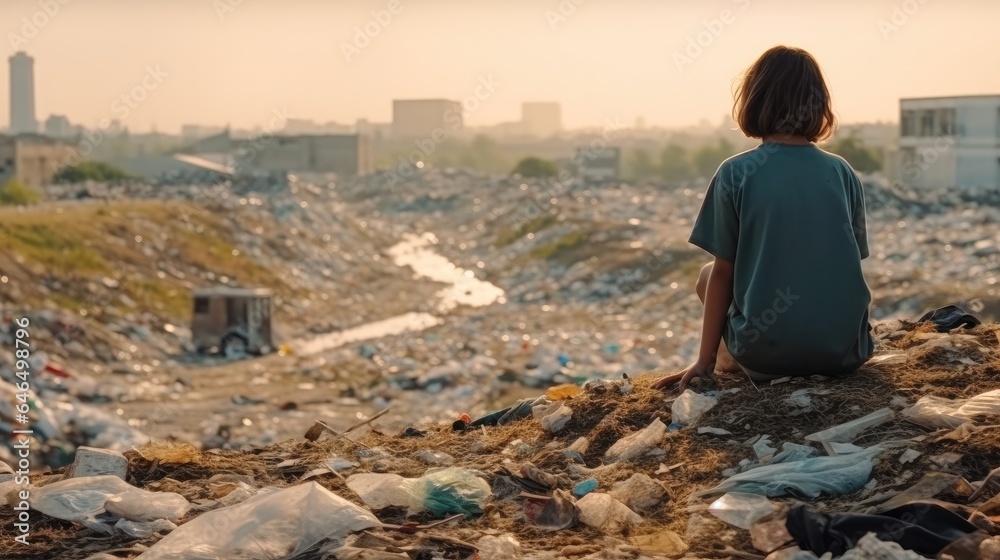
<point x="276" y="524"/>
<point x="605" y="513"/>
<point x="938" y="412"/>
<point x="382" y="490"/>
<point x="690" y="406"/>
<point x="83" y="499"/>
<point x="636" y="445"/>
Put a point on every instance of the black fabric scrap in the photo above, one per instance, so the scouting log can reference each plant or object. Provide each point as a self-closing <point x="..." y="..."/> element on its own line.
<point x="923" y="528"/>
<point x="949" y="317"/>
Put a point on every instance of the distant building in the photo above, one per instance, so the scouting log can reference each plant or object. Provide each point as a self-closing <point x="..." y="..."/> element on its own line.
<point x="32" y="159"/>
<point x="220" y="143"/>
<point x="22" y="94"/>
<point x="343" y="154"/>
<point x="542" y="119"/>
<point x="373" y="130"/>
<point x="157" y="166"/>
<point x="194" y="132"/>
<point x="419" y="118"/>
<point x="950" y="142"/>
<point x="595" y="165"/>
<point x="512" y="130"/>
<point x="58" y="126"/>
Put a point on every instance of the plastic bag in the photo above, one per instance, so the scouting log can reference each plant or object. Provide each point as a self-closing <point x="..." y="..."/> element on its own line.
<point x="636" y="445"/>
<point x="639" y="492"/>
<point x="605" y="513"/>
<point x="557" y="420"/>
<point x="275" y="524"/>
<point x="504" y="547"/>
<point x="846" y="432"/>
<point x="382" y="490"/>
<point x="83" y="499"/>
<point x="842" y="474"/>
<point x="690" y="406"/>
<point x="742" y="510"/>
<point x="141" y="530"/>
<point x="450" y="491"/>
<point x="938" y="412"/>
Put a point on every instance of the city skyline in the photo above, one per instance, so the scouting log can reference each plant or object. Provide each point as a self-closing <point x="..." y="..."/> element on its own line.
<point x="672" y="65"/>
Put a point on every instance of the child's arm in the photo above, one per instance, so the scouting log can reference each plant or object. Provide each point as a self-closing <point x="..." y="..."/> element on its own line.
<point x="718" y="298"/>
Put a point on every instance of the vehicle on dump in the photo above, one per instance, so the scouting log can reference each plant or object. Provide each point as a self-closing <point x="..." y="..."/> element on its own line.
<point x="232" y="321"/>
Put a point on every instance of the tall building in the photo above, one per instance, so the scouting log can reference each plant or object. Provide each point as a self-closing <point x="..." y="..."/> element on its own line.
<point x="420" y="118"/>
<point x="542" y="119"/>
<point x="950" y="142"/>
<point x="22" y="94"/>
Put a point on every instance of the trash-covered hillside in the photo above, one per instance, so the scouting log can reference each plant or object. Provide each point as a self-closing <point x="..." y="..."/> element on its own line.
<point x="454" y="349"/>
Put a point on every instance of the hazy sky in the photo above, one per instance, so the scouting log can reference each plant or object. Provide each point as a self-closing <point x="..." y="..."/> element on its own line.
<point x="237" y="61"/>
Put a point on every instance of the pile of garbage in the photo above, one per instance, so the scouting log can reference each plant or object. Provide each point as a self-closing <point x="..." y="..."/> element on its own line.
<point x="899" y="461"/>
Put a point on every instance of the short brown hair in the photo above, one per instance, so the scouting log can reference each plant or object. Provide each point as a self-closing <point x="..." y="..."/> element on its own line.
<point x="784" y="92"/>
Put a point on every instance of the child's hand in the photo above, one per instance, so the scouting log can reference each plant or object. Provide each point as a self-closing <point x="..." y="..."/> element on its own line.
<point x="685" y="376"/>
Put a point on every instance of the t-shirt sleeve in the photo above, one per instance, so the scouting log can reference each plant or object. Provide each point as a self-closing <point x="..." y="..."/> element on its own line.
<point x="717" y="227"/>
<point x="858" y="223"/>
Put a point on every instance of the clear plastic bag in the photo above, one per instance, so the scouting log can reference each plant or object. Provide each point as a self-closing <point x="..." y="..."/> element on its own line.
<point x="274" y="524"/>
<point x="842" y="474"/>
<point x="85" y="498"/>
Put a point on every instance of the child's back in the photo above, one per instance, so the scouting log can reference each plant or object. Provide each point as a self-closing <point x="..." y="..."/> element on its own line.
<point x="786" y="225"/>
<point x="791" y="219"/>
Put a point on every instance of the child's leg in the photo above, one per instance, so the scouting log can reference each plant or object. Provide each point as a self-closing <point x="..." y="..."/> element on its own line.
<point x="724" y="361"/>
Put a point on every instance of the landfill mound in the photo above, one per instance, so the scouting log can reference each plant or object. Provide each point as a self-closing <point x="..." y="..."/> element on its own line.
<point x="648" y="465"/>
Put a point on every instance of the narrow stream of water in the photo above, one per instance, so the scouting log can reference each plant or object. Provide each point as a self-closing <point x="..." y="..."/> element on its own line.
<point x="416" y="252"/>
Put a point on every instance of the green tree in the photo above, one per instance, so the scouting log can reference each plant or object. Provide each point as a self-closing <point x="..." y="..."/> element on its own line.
<point x="674" y="163"/>
<point x="90" y="171"/>
<point x="707" y="158"/>
<point x="856" y="153"/>
<point x="640" y="165"/>
<point x="16" y="193"/>
<point x="536" y="167"/>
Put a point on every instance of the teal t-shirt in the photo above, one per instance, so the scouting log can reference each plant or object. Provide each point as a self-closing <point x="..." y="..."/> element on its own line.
<point x="792" y="220"/>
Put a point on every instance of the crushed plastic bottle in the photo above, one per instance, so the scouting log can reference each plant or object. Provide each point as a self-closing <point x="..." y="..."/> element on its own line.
<point x="742" y="510"/>
<point x="637" y="444"/>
